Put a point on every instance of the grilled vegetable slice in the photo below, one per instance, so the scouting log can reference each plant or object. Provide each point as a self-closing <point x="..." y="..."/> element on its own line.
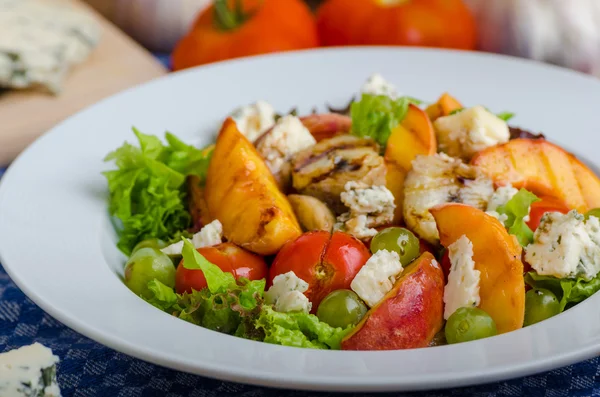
<point x="323" y="170"/>
<point x="243" y="195"/>
<point x="437" y="180"/>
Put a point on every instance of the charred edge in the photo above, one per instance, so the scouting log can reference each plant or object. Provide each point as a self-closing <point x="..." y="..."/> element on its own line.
<point x="516" y="133"/>
<point x="344" y="165"/>
<point x="266" y="217"/>
<point x="453" y="198"/>
<point x="340" y="166"/>
<point x="194" y="192"/>
<point x="325" y="153"/>
<point x="345" y="110"/>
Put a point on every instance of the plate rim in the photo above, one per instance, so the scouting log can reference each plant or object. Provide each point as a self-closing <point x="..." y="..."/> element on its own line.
<point x="266" y="379"/>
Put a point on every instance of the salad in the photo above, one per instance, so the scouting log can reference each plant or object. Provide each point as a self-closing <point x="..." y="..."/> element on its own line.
<point x="390" y="224"/>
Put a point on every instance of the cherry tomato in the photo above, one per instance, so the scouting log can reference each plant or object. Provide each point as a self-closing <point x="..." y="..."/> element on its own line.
<point x="230" y="258"/>
<point x="539" y="208"/>
<point x="327" y="262"/>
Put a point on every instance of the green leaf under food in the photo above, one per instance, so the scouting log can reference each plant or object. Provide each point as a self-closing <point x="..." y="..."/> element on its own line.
<point x="516" y="209"/>
<point x="216" y="279"/>
<point x="147" y="191"/>
<point x="226" y="311"/>
<point x="237" y="308"/>
<point x="568" y="291"/>
<point x="298" y="329"/>
<point x="164" y="297"/>
<point x="375" y="116"/>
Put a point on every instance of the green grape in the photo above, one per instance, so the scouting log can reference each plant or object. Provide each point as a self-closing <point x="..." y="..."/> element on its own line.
<point x="145" y="265"/>
<point x="341" y="308"/>
<point x="149" y="243"/>
<point x="469" y="323"/>
<point x="400" y="240"/>
<point x="540" y="304"/>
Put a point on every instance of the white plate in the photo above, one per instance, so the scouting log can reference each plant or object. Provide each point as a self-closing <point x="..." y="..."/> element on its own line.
<point x="57" y="244"/>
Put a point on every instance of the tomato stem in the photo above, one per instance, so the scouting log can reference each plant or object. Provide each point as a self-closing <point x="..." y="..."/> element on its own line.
<point x="229" y="18"/>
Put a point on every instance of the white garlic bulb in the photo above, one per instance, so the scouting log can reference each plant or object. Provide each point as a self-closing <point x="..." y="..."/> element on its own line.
<point x="156" y="24"/>
<point x="562" y="32"/>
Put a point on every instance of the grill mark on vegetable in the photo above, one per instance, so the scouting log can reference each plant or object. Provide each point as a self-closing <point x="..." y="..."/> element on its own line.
<point x="341" y="166"/>
<point x="325" y="153"/>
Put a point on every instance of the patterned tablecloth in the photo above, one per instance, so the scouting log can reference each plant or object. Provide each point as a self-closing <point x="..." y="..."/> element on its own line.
<point x="88" y="369"/>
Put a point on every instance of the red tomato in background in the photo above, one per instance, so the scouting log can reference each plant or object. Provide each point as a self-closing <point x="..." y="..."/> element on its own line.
<point x="230" y="258"/>
<point x="539" y="208"/>
<point x="327" y="262"/>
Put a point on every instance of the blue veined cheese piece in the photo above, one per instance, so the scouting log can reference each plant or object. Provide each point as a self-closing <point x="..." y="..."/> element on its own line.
<point x="41" y="42"/>
<point x="29" y="371"/>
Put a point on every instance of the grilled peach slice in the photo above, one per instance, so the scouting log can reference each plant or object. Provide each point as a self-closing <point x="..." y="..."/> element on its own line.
<point x="242" y="193"/>
<point x="443" y="107"/>
<point x="414" y="136"/>
<point x="497" y="255"/>
<point x="408" y="316"/>
<point x="543" y="168"/>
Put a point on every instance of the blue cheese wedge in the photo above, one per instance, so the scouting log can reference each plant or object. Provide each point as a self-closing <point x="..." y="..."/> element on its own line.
<point x="40" y="42"/>
<point x="462" y="289"/>
<point x="566" y="246"/>
<point x="29" y="371"/>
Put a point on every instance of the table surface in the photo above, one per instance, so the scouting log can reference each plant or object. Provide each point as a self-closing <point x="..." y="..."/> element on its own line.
<point x="88" y="369"/>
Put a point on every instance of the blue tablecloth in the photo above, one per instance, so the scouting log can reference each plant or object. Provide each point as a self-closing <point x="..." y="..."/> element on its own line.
<point x="88" y="369"/>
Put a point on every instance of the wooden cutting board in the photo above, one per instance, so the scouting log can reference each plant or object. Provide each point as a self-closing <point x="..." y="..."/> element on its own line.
<point x="116" y="63"/>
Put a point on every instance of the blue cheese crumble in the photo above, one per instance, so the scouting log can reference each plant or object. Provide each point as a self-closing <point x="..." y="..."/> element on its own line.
<point x="287" y="294"/>
<point x="462" y="289"/>
<point x="377" y="85"/>
<point x="208" y="236"/>
<point x="566" y="246"/>
<point x="369" y="207"/>
<point x="377" y="277"/>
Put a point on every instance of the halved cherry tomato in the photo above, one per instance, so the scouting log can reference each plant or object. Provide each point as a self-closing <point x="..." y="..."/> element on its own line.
<point x="230" y="258"/>
<point x="327" y="262"/>
<point x="539" y="208"/>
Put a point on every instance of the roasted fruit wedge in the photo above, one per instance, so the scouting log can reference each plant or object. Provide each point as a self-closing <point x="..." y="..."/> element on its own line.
<point x="242" y="194"/>
<point x="543" y="168"/>
<point x="497" y="255"/>
<point x="414" y="136"/>
<point x="408" y="316"/>
<point x="443" y="107"/>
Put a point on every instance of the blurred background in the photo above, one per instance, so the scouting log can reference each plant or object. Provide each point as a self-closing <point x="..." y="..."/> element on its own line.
<point x="564" y="32"/>
<point x="102" y="59"/>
